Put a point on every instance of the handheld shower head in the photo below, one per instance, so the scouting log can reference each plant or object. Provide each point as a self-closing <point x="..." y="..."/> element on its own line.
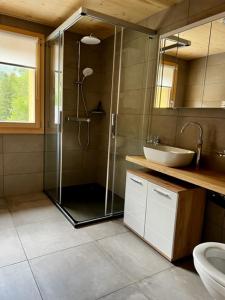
<point x="87" y="72"/>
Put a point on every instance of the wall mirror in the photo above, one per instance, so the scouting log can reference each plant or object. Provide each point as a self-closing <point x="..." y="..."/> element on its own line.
<point x="191" y="68"/>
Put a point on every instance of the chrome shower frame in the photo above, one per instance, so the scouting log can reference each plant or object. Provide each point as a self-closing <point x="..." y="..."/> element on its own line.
<point x="72" y="20"/>
<point x="82" y="12"/>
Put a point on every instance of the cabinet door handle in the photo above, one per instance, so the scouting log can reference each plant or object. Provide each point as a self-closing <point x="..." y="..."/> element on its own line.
<point x="136" y="180"/>
<point x="161" y="193"/>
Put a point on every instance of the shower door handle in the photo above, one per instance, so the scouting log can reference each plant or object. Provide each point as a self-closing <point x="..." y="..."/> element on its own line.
<point x="60" y="121"/>
<point x="113" y="125"/>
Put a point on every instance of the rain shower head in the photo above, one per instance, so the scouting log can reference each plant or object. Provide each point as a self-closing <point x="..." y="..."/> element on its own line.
<point x="90" y="40"/>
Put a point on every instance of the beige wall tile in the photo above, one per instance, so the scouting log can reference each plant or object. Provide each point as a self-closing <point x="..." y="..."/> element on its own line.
<point x="213" y="134"/>
<point x="51" y="181"/>
<point x="23" y="184"/>
<point x="72" y="159"/>
<point x="120" y="177"/>
<point x="194" y="93"/>
<point x="128" y="146"/>
<point x="132" y="77"/>
<point x="69" y="98"/>
<point x="75" y="178"/>
<point x="132" y="101"/>
<point x="70" y="141"/>
<point x="216" y="59"/>
<point x="51" y="163"/>
<point x="23" y="143"/>
<point x="135" y="51"/>
<point x="22" y="163"/>
<point x="198" y="112"/>
<point x="50" y="141"/>
<point x="165" y="112"/>
<point x="165" y="128"/>
<point x="215" y="74"/>
<point x="214" y="92"/>
<point x="208" y="104"/>
<point x="134" y="126"/>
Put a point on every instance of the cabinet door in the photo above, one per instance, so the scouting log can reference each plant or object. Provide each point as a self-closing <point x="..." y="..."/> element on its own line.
<point x="135" y="203"/>
<point x="161" y="218"/>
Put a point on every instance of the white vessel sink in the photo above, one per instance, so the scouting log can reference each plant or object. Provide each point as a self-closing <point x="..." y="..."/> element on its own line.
<point x="168" y="156"/>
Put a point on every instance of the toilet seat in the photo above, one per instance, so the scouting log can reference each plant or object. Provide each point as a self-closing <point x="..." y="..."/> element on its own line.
<point x="210" y="257"/>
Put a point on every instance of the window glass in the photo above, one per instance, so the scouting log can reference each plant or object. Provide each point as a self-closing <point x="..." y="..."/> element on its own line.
<point x="166" y="86"/>
<point x="18" y="64"/>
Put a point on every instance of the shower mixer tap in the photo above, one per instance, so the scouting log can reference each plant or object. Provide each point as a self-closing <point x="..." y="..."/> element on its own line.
<point x="87" y="40"/>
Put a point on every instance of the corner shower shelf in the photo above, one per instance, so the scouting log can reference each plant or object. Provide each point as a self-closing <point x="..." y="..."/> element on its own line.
<point x="97" y="113"/>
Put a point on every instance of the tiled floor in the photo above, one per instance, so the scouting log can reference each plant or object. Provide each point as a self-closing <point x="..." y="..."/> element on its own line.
<point x="43" y="257"/>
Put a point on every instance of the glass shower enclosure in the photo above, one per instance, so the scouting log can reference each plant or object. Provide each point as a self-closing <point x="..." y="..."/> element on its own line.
<point x="96" y="103"/>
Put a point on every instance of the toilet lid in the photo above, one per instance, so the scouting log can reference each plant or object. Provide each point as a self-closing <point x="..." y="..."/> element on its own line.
<point x="205" y="254"/>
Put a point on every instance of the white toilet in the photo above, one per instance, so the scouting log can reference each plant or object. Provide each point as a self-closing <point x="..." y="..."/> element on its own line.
<point x="209" y="261"/>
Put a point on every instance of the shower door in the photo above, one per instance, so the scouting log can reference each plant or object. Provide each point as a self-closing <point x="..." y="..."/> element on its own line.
<point x="53" y="106"/>
<point x="85" y="170"/>
<point x="130" y="109"/>
<point x="85" y="193"/>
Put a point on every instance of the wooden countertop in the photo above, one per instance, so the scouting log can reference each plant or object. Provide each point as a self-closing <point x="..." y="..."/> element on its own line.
<point x="211" y="180"/>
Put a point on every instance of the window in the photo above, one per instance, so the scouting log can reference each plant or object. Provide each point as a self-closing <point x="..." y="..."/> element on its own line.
<point x="21" y="81"/>
<point x="166" y="85"/>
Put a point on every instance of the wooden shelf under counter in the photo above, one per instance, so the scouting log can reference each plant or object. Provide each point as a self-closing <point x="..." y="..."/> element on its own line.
<point x="208" y="179"/>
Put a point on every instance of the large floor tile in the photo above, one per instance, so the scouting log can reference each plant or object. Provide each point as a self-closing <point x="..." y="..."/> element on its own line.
<point x="105" y="229"/>
<point x="83" y="273"/>
<point x="35" y="211"/>
<point x="176" y="284"/>
<point x="17" y="283"/>
<point x="46" y="237"/>
<point x="131" y="292"/>
<point x="11" y="250"/>
<point x="133" y="255"/>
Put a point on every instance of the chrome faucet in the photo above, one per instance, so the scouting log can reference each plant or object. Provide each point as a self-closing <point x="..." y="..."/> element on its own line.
<point x="153" y="139"/>
<point x="199" y="141"/>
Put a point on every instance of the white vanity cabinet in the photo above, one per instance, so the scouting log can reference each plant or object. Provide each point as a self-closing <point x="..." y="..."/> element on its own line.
<point x="165" y="214"/>
<point x="135" y="204"/>
<point x="160" y="220"/>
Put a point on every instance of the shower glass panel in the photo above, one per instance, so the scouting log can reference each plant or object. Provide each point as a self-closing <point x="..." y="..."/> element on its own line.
<point x="52" y="119"/>
<point x="131" y="108"/>
<point x="87" y="94"/>
<point x="98" y="67"/>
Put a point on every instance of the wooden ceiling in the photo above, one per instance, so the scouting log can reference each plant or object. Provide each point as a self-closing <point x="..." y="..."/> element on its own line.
<point x="200" y="37"/>
<point x="88" y="25"/>
<point x="54" y="12"/>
